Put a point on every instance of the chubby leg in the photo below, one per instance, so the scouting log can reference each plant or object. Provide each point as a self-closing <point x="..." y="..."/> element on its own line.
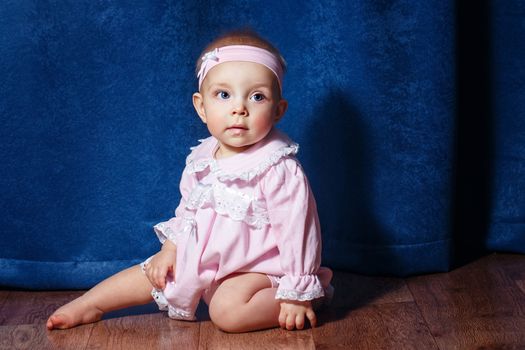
<point x="245" y="302"/>
<point x="127" y="288"/>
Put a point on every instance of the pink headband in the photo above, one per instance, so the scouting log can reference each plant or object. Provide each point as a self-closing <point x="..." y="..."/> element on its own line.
<point x="243" y="53"/>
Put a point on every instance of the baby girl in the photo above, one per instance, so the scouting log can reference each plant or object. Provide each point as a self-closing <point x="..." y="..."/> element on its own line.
<point x="245" y="237"/>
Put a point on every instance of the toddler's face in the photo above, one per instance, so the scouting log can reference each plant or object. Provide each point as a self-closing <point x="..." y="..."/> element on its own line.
<point x="239" y="102"/>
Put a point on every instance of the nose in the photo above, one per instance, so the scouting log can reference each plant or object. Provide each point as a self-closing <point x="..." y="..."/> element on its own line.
<point x="239" y="109"/>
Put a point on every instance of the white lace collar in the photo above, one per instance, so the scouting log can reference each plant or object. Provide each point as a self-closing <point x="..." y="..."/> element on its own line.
<point x="244" y="166"/>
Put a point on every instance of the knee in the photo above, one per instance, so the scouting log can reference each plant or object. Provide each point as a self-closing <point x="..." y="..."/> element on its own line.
<point x="226" y="316"/>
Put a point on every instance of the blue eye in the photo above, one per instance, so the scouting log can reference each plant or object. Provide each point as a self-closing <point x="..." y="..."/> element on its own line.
<point x="223" y="95"/>
<point x="258" y="97"/>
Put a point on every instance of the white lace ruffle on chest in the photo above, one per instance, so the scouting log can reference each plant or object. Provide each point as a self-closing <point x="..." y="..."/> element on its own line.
<point x="217" y="179"/>
<point x="229" y="202"/>
<point x="260" y="169"/>
<point x="198" y="165"/>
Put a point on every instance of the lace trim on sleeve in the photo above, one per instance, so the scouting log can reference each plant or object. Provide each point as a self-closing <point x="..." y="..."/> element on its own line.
<point x="299" y="287"/>
<point x="299" y="296"/>
<point x="165" y="232"/>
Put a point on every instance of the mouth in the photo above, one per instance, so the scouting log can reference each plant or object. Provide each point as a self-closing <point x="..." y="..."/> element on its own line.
<point x="237" y="127"/>
<point x="237" y="130"/>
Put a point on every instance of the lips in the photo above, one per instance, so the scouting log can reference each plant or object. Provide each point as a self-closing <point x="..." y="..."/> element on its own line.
<point x="237" y="127"/>
<point x="237" y="130"/>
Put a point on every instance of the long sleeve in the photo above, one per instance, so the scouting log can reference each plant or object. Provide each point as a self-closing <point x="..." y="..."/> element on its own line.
<point x="180" y="224"/>
<point x="295" y="223"/>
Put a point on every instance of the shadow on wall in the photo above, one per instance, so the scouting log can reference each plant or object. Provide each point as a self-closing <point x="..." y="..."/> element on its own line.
<point x="340" y="166"/>
<point x="473" y="163"/>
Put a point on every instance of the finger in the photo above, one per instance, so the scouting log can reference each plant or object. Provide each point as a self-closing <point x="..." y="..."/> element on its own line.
<point x="299" y="321"/>
<point x="153" y="282"/>
<point x="160" y="278"/>
<point x="149" y="275"/>
<point x="312" y="318"/>
<point x="152" y="276"/>
<point x="282" y="320"/>
<point x="158" y="284"/>
<point x="290" y="322"/>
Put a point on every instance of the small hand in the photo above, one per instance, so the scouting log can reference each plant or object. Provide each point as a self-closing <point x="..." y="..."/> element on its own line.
<point x="293" y="314"/>
<point x="159" y="266"/>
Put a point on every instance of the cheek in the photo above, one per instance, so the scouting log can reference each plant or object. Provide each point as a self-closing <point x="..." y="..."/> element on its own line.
<point x="214" y="115"/>
<point x="214" y="124"/>
<point x="262" y="123"/>
<point x="265" y="120"/>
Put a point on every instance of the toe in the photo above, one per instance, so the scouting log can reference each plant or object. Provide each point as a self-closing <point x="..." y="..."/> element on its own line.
<point x="56" y="322"/>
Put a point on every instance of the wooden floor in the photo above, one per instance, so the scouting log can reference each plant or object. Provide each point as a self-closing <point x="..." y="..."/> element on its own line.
<point x="478" y="306"/>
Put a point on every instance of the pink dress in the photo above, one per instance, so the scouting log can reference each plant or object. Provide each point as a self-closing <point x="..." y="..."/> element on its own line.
<point x="252" y="212"/>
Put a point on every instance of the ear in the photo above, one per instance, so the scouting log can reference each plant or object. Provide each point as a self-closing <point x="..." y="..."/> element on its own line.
<point x="198" y="104"/>
<point x="282" y="106"/>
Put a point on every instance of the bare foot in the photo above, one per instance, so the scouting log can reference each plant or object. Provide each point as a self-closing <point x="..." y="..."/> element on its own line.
<point x="73" y="314"/>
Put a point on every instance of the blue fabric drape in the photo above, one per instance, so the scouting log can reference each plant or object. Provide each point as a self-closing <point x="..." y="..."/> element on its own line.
<point x="410" y="116"/>
<point x="507" y="92"/>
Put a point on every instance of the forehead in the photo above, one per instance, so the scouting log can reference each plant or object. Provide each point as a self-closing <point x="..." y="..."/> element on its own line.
<point x="241" y="72"/>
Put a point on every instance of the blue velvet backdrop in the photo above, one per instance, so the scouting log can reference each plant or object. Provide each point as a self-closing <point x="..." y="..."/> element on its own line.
<point x="410" y="116"/>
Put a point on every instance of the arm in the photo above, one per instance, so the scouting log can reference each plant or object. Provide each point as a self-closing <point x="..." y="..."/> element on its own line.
<point x="163" y="263"/>
<point x="294" y="220"/>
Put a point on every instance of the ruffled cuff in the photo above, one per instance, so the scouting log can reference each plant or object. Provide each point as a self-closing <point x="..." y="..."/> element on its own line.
<point x="300" y="288"/>
<point x="173" y="229"/>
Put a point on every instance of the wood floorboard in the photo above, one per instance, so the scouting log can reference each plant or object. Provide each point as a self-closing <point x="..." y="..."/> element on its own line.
<point x="478" y="306"/>
<point x="475" y="307"/>
<point x="212" y="338"/>
<point x="353" y="291"/>
<point x="151" y="331"/>
<point x="386" y="326"/>
<point x="372" y="313"/>
<point x="4" y="294"/>
<point x="521" y="285"/>
<point x="29" y="307"/>
<point x="36" y="336"/>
